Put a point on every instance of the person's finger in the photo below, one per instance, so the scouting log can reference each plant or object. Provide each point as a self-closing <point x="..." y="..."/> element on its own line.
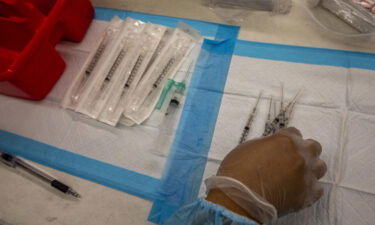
<point x="319" y="169"/>
<point x="314" y="147"/>
<point x="317" y="193"/>
<point x="314" y="195"/>
<point x="291" y="131"/>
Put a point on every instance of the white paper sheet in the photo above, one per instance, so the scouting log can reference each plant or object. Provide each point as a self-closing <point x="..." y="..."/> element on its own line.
<point x="337" y="108"/>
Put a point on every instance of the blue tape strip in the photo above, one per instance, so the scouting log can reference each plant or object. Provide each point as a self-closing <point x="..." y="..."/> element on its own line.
<point x="306" y="55"/>
<point x="184" y="171"/>
<point x="107" y="14"/>
<point x="206" y="28"/>
<point x="207" y="88"/>
<point x="115" y="177"/>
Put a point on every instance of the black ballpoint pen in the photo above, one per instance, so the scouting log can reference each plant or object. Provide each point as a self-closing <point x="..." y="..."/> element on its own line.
<point x="13" y="161"/>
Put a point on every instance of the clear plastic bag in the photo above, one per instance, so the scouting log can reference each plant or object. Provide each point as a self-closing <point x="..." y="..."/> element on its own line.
<point x="75" y="91"/>
<point x="118" y="57"/>
<point x="347" y="18"/>
<point x="236" y="10"/>
<point x="169" y="106"/>
<point x="167" y="112"/>
<point x="276" y="6"/>
<point x="165" y="66"/>
<point x="127" y="74"/>
<point x="163" y="42"/>
<point x="144" y="48"/>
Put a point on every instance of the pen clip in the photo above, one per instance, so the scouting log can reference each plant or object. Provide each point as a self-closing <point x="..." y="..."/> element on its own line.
<point x="8" y="160"/>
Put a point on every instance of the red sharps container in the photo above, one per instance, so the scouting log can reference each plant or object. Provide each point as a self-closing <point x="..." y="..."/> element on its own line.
<point x="29" y="32"/>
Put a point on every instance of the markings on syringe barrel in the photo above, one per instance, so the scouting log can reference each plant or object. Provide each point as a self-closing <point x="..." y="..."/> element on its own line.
<point x="268" y="126"/>
<point x="95" y="59"/>
<point x="88" y="71"/>
<point x="164" y="72"/>
<point x="115" y="65"/>
<point x="156" y="54"/>
<point x="131" y="77"/>
<point x="247" y="127"/>
<point x="135" y="69"/>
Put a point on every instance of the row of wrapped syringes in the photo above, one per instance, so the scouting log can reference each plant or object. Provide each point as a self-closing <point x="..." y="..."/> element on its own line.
<point x="123" y="80"/>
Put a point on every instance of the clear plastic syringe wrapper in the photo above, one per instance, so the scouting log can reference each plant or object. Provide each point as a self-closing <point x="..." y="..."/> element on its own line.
<point x="167" y="109"/>
<point x="75" y="91"/>
<point x="163" y="42"/>
<point x="276" y="6"/>
<point x="164" y="67"/>
<point x="352" y="18"/>
<point x="169" y="106"/>
<point x="116" y="59"/>
<point x="144" y="50"/>
<point x="237" y="10"/>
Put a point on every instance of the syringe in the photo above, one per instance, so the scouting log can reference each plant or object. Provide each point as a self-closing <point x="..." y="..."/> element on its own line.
<point x="88" y="71"/>
<point x="268" y="127"/>
<point x="108" y="78"/>
<point x="164" y="72"/>
<point x="129" y="81"/>
<point x="247" y="127"/>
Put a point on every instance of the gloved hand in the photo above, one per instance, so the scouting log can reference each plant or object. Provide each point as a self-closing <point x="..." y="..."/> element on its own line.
<point x="281" y="170"/>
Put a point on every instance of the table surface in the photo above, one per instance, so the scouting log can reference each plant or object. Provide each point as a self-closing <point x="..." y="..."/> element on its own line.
<point x="25" y="201"/>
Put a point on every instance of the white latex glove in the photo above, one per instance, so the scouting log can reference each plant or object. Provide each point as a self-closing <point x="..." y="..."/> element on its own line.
<point x="279" y="173"/>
